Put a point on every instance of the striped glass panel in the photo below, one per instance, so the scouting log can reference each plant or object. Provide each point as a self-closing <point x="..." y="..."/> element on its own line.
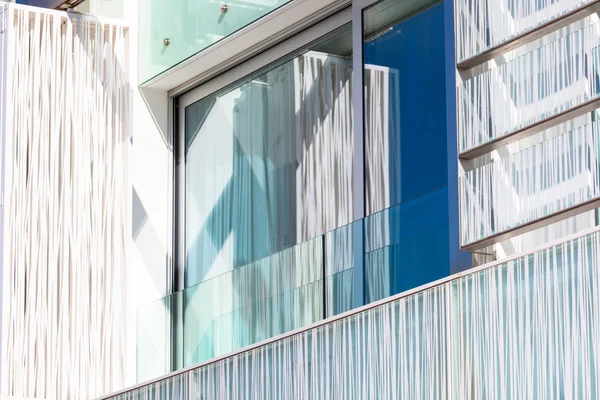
<point x="483" y="24"/>
<point x="525" y="328"/>
<point x="397" y="350"/>
<point x="530" y="328"/>
<point x="542" y="83"/>
<point x="533" y="183"/>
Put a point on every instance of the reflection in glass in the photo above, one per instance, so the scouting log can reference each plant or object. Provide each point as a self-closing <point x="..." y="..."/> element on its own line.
<point x="405" y="101"/>
<point x="268" y="164"/>
<point x="270" y="242"/>
<point x="406" y="246"/>
<point x="268" y="173"/>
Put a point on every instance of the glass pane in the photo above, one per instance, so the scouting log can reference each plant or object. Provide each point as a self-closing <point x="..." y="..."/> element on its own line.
<point x="269" y="161"/>
<point x="405" y="101"/>
<point x="154" y="336"/>
<point x="476" y="33"/>
<point x="190" y="26"/>
<point x="559" y="75"/>
<point x="252" y="303"/>
<point x="340" y="268"/>
<point x="407" y="245"/>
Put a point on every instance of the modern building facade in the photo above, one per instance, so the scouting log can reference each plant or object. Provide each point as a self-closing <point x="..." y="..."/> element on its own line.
<point x="300" y="199"/>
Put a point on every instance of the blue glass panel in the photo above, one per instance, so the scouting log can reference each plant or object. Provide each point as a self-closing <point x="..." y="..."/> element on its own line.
<point x="407" y="245"/>
<point x="415" y="49"/>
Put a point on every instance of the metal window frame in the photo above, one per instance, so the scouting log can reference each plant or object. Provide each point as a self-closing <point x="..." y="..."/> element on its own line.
<point x="177" y="106"/>
<point x="180" y="99"/>
<point x="285" y="49"/>
<point x="232" y="76"/>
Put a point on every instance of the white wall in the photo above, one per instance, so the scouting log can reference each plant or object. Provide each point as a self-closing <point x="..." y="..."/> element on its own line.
<point x="149" y="171"/>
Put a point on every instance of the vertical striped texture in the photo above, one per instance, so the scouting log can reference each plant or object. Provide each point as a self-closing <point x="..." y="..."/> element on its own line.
<point x="279" y="174"/>
<point x="527" y="328"/>
<point x="66" y="206"/>
<point x="382" y="138"/>
<point x="394" y="351"/>
<point x="539" y="84"/>
<point x="482" y="24"/>
<point x="530" y="329"/>
<point x="532" y="183"/>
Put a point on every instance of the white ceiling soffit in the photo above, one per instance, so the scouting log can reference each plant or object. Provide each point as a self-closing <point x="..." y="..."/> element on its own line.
<point x="249" y="41"/>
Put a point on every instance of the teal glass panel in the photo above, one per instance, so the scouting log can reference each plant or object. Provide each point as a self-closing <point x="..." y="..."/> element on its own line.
<point x="252" y="303"/>
<point x="171" y="31"/>
<point x="340" y="268"/>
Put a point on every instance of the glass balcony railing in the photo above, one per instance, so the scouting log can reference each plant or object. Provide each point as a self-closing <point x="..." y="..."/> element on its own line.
<point x="527" y="327"/>
<point x="560" y="75"/>
<point x="170" y="31"/>
<point x="476" y="33"/>
<point x="396" y="249"/>
<point x="532" y="183"/>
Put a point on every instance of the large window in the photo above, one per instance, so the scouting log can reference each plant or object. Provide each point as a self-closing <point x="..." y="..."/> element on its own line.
<point x="268" y="171"/>
<point x="276" y="163"/>
<point x="269" y="161"/>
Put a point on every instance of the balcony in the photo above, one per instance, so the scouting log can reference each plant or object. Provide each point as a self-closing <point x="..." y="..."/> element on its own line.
<point x="533" y="184"/>
<point x="526" y="327"/>
<point x="362" y="262"/>
<point x="171" y="31"/>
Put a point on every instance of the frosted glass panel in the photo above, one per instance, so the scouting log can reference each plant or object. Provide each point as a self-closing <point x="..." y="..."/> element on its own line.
<point x="537" y="181"/>
<point x="557" y="76"/>
<point x="483" y="24"/>
<point x="530" y="328"/>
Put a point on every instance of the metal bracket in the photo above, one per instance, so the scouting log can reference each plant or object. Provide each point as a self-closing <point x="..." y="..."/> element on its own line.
<point x="3" y="18"/>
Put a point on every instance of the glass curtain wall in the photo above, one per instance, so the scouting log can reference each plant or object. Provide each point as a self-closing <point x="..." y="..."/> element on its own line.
<point x="271" y="244"/>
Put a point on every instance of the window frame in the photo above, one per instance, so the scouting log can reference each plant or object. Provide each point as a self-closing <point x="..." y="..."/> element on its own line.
<point x="352" y="14"/>
<point x="228" y="78"/>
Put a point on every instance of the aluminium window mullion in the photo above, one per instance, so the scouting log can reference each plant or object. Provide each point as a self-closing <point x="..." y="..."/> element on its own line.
<point x="358" y="160"/>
